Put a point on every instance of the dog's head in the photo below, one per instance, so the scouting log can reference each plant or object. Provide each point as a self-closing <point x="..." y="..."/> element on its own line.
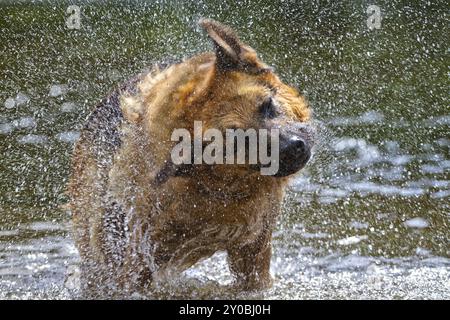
<point x="246" y="93"/>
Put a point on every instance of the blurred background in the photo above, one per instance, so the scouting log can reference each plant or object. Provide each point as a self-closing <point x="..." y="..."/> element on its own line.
<point x="374" y="202"/>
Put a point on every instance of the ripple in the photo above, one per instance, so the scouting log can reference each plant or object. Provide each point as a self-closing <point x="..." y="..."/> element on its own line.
<point x="351" y="240"/>
<point x="33" y="139"/>
<point x="68" y="136"/>
<point x="441" y="194"/>
<point x="58" y="90"/>
<point x="25" y="123"/>
<point x="434" y="169"/>
<point x="6" y="128"/>
<point x="350" y="262"/>
<point x="22" y="99"/>
<point x="417" y="223"/>
<point x="10" y="103"/>
<point x="359" y="225"/>
<point x="374" y="188"/>
<point x="69" y="107"/>
<point x="369" y="117"/>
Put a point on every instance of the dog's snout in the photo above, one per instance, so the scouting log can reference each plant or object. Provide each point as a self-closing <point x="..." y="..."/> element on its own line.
<point x="295" y="152"/>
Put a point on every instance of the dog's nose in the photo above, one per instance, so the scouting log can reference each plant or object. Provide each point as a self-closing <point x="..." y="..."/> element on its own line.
<point x="295" y="147"/>
<point x="294" y="154"/>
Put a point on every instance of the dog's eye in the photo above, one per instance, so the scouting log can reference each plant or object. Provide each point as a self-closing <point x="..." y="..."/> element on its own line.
<point x="268" y="109"/>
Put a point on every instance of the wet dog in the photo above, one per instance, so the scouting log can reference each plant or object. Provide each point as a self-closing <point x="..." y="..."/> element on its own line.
<point x="138" y="215"/>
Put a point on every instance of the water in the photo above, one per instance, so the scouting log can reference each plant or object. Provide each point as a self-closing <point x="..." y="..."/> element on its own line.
<point x="369" y="216"/>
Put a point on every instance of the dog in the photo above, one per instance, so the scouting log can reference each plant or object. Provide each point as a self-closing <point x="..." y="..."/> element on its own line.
<point x="138" y="215"/>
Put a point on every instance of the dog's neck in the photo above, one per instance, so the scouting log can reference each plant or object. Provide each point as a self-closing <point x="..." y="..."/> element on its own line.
<point x="224" y="182"/>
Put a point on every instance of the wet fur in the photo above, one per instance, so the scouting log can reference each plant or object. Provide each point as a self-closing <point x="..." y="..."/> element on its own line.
<point x="136" y="217"/>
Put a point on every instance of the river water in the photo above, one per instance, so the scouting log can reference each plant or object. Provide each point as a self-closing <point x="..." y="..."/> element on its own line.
<point x="369" y="216"/>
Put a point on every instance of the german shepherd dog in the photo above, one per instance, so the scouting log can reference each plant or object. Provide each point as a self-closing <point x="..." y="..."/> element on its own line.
<point x="138" y="216"/>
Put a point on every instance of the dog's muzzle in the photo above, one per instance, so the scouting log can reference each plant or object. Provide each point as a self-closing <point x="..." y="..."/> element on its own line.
<point x="294" y="149"/>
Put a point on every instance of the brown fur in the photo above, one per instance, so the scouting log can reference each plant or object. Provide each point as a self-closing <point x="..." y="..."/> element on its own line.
<point x="129" y="228"/>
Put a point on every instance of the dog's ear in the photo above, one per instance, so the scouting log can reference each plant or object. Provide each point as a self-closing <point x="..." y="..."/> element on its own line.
<point x="231" y="53"/>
